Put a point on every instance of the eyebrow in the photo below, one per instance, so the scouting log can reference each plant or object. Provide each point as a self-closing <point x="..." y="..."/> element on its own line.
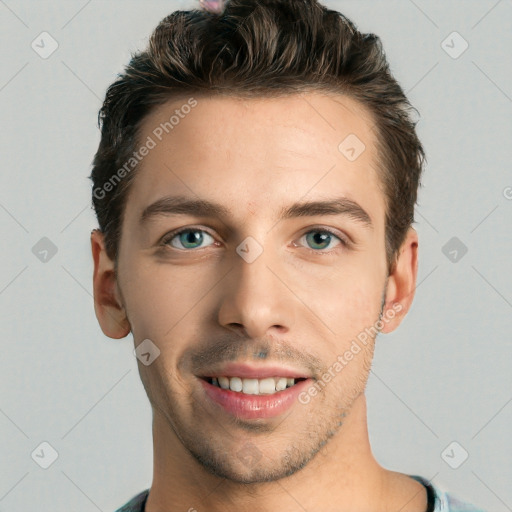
<point x="181" y="205"/>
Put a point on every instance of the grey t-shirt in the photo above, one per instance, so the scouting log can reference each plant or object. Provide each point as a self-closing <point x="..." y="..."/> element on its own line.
<point x="438" y="501"/>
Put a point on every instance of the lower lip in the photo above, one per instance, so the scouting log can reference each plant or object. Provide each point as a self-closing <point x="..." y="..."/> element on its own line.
<point x="250" y="407"/>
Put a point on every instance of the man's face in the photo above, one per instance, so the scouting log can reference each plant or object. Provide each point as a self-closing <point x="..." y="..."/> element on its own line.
<point x="251" y="287"/>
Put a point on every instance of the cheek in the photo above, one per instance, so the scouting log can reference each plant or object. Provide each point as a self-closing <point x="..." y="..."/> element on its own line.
<point x="162" y="300"/>
<point x="351" y="307"/>
<point x="349" y="301"/>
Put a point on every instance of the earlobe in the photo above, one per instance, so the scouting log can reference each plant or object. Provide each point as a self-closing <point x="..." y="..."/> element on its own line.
<point x="109" y="311"/>
<point x="401" y="284"/>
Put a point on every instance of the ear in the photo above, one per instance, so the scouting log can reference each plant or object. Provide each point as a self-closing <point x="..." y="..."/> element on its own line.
<point x="401" y="283"/>
<point x="110" y="313"/>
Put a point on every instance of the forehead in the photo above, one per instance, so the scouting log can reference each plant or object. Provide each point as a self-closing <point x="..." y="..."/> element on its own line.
<point x="296" y="118"/>
<point x="259" y="151"/>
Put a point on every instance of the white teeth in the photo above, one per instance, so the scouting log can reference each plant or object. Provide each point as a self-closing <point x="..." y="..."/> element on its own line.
<point x="235" y="384"/>
<point x="281" y="384"/>
<point x="266" y="386"/>
<point x="224" y="382"/>
<point x="250" y="386"/>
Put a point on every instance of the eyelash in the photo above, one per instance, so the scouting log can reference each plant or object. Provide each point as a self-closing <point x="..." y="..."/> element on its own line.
<point x="170" y="236"/>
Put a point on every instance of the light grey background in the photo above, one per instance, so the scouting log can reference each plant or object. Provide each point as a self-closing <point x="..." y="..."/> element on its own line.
<point x="444" y="376"/>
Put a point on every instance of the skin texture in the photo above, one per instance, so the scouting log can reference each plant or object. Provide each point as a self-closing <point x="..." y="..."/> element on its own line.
<point x="296" y="304"/>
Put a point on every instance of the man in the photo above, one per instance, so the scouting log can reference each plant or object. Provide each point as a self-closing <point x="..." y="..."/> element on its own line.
<point x="255" y="187"/>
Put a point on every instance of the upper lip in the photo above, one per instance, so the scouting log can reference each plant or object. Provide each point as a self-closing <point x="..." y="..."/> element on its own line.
<point x="246" y="371"/>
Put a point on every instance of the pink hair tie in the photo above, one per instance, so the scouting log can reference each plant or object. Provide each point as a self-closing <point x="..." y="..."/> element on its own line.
<point x="215" y="6"/>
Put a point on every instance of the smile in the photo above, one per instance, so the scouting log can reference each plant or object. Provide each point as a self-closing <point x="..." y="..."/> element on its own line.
<point x="249" y="399"/>
<point x="266" y="386"/>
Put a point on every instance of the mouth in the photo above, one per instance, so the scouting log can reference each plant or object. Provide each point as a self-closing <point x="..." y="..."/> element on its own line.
<point x="253" y="386"/>
<point x="251" y="398"/>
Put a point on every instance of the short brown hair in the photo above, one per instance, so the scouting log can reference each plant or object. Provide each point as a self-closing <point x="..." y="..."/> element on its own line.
<point x="259" y="48"/>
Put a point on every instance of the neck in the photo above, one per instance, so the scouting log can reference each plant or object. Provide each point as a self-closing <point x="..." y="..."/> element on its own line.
<point x="344" y="473"/>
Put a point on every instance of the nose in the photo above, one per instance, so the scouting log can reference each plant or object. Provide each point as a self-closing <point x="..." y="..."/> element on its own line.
<point x="256" y="301"/>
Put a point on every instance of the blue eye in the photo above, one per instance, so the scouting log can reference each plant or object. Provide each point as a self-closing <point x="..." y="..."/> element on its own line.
<point x="319" y="239"/>
<point x="189" y="239"/>
<point x="192" y="238"/>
